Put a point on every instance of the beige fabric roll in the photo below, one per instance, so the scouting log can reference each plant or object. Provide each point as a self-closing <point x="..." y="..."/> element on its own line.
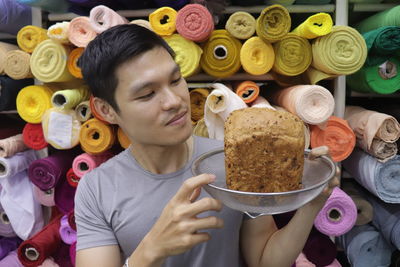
<point x="17" y="65"/>
<point x="142" y="22"/>
<point x="4" y="48"/>
<point x="200" y="129"/>
<point x="383" y="151"/>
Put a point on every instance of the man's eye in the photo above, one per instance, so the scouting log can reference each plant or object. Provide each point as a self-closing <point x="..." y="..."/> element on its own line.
<point x="177" y="80"/>
<point x="146" y="96"/>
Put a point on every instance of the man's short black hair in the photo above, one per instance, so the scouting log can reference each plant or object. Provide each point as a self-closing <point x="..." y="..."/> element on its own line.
<point x="109" y="50"/>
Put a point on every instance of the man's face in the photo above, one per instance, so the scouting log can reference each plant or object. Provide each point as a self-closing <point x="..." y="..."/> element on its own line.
<point x="153" y="99"/>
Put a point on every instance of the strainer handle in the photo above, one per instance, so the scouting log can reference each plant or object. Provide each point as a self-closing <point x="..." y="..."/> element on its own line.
<point x="254" y="215"/>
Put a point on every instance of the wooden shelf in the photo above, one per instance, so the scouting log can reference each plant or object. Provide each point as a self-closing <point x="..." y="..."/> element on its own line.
<point x="9" y="112"/>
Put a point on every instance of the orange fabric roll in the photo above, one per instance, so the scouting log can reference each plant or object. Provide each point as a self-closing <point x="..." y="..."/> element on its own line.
<point x="123" y="139"/>
<point x="72" y="62"/>
<point x="337" y="135"/>
<point x="248" y="91"/>
<point x="96" y="137"/>
<point x="94" y="112"/>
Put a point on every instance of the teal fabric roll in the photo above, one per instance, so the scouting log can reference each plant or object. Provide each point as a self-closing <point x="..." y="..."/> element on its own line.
<point x="389" y="17"/>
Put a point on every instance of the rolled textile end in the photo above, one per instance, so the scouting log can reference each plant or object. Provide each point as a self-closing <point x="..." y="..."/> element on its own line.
<point x="72" y="178"/>
<point x="33" y="136"/>
<point x="273" y="23"/>
<point x="382" y="150"/>
<point x="12" y="145"/>
<point x="84" y="163"/>
<point x="70" y="98"/>
<point x="143" y="23"/>
<point x="17" y="65"/>
<point x="46" y="198"/>
<point x="68" y="235"/>
<point x="314" y="75"/>
<point x="248" y="91"/>
<point x="317" y="25"/>
<point x="4" y="48"/>
<point x="103" y="18"/>
<point x="59" y="32"/>
<point x="83" y="111"/>
<point x="241" y="25"/>
<point x="194" y="22"/>
<point x="72" y="62"/>
<point x="123" y="139"/>
<point x="256" y="56"/>
<point x="81" y="32"/>
<point x="96" y="137"/>
<point x="201" y="129"/>
<point x="261" y="102"/>
<point x="163" y="21"/>
<point x="30" y="36"/>
<point x="198" y="98"/>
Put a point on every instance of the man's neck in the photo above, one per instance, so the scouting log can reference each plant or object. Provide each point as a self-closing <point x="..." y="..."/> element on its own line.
<point x="163" y="160"/>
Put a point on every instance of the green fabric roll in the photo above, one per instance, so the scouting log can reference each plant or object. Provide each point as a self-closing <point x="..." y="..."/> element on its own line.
<point x="381" y="44"/>
<point x="389" y="17"/>
<point x="312" y="2"/>
<point x="368" y="79"/>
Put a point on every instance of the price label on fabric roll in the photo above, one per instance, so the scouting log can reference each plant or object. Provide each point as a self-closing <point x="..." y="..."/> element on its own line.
<point x="60" y="129"/>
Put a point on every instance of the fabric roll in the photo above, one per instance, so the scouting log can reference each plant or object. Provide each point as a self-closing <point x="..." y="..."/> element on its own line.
<point x="72" y="178"/>
<point x="46" y="198"/>
<point x="94" y="111"/>
<point x="96" y="137"/>
<point x="49" y="262"/>
<point x="273" y="23"/>
<point x="302" y="261"/>
<point x="365" y="211"/>
<point x="176" y="4"/>
<point x="338" y="215"/>
<point x="70" y="98"/>
<point x="48" y="5"/>
<point x="198" y="98"/>
<point x="261" y="102"/>
<point x="33" y="136"/>
<point x="365" y="246"/>
<point x="103" y="18"/>
<point x="71" y="220"/>
<point x="17" y="65"/>
<point x="4" y="48"/>
<point x="382" y="150"/>
<point x="123" y="139"/>
<point x="59" y="32"/>
<point x="331" y="52"/>
<point x="369" y="125"/>
<point x="72" y="253"/>
<point x="81" y="32"/>
<point x="11" y="146"/>
<point x="33" y="251"/>
<point x="381" y="179"/>
<point x="337" y="135"/>
<point x="388" y="17"/>
<point x="142" y="22"/>
<point x="6" y="229"/>
<point x="85" y="162"/>
<point x="200" y="129"/>
<point x="61" y="128"/>
<point x="194" y="22"/>
<point x="248" y="91"/>
<point x="11" y="260"/>
<point x="316" y="25"/>
<point x="307" y="136"/>
<point x="256" y="56"/>
<point x="221" y="54"/>
<point x="83" y="111"/>
<point x="320" y="249"/>
<point x="14" y="16"/>
<point x="293" y="55"/>
<point x="13" y="164"/>
<point x="29" y="37"/>
<point x="64" y="195"/>
<point x="72" y="62"/>
<point x="49" y="62"/>
<point x="9" y="91"/>
<point x="187" y="53"/>
<point x="314" y="76"/>
<point x="312" y="103"/>
<point x="46" y="172"/>
<point x="68" y="235"/>
<point x="8" y="244"/>
<point x="380" y="78"/>
<point x="219" y="104"/>
<point x="163" y="21"/>
<point x="241" y="25"/>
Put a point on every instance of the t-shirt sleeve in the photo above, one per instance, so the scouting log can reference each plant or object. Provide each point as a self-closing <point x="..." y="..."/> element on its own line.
<point x="92" y="228"/>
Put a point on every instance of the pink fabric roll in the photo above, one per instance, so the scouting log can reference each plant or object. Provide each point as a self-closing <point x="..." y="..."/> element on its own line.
<point x="46" y="198"/>
<point x="302" y="261"/>
<point x="12" y="145"/>
<point x="49" y="262"/>
<point x="85" y="162"/>
<point x="80" y="31"/>
<point x="335" y="263"/>
<point x="338" y="215"/>
<point x="103" y="18"/>
<point x="194" y="22"/>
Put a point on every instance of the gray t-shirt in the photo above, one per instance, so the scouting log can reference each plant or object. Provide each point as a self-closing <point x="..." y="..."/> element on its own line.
<point x="118" y="202"/>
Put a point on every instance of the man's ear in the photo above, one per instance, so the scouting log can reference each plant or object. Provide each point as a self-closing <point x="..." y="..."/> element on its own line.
<point x="105" y="110"/>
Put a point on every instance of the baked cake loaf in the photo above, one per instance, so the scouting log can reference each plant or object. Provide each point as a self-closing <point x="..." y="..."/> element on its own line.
<point x="264" y="150"/>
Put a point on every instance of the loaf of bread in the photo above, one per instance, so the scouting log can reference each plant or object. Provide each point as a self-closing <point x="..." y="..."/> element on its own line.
<point x="264" y="150"/>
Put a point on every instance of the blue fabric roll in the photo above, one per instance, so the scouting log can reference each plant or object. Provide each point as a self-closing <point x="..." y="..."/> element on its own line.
<point x="14" y="16"/>
<point x="366" y="247"/>
<point x="9" y="89"/>
<point x="58" y="6"/>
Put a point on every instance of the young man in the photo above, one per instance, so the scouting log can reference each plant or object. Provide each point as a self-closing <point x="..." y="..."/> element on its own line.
<point x="142" y="207"/>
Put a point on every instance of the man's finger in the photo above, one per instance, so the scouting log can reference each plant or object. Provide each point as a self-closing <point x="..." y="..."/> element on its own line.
<point x="202" y="205"/>
<point x="186" y="190"/>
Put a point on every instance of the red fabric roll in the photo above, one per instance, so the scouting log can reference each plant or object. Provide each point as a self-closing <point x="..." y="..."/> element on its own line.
<point x="46" y="242"/>
<point x="71" y="219"/>
<point x="72" y="178"/>
<point x="33" y="136"/>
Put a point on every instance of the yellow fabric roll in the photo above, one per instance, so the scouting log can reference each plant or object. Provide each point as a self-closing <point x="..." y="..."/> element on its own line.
<point x="319" y="24"/>
<point x="221" y="54"/>
<point x="273" y="23"/>
<point x="70" y="98"/>
<point x="341" y="52"/>
<point x="96" y="137"/>
<point x="198" y="98"/>
<point x="30" y="36"/>
<point x="314" y="75"/>
<point x="33" y="101"/>
<point x="49" y="62"/>
<point x="82" y="111"/>
<point x="59" y="32"/>
<point x="292" y="55"/>
<point x="256" y="56"/>
<point x="188" y="54"/>
<point x="142" y="22"/>
<point x="163" y="20"/>
<point x="123" y="139"/>
<point x="4" y="48"/>
<point x="17" y="65"/>
<point x="61" y="128"/>
<point x="200" y="129"/>
<point x="241" y="25"/>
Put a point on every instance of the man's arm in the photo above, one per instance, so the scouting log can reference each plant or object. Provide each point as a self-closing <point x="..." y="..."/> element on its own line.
<point x="105" y="256"/>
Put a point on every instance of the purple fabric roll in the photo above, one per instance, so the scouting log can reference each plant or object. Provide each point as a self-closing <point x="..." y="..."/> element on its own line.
<point x="175" y="4"/>
<point x="17" y="163"/>
<point x="46" y="172"/>
<point x="62" y="256"/>
<point x="6" y="229"/>
<point x="68" y="235"/>
<point x="14" y="16"/>
<point x="320" y="249"/>
<point x="8" y="244"/>
<point x="64" y="196"/>
<point x="11" y="260"/>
